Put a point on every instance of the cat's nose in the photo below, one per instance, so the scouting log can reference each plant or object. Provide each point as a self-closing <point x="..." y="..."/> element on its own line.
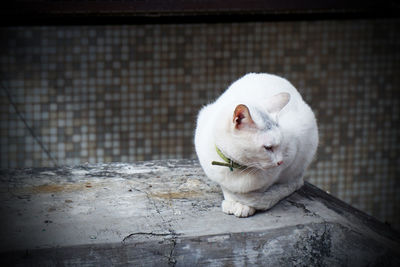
<point x="279" y="162"/>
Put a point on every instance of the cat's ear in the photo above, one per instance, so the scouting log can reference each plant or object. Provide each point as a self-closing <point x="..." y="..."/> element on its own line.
<point x="277" y="102"/>
<point x="241" y="117"/>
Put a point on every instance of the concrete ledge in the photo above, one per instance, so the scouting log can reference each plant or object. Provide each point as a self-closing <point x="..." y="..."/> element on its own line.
<point x="168" y="213"/>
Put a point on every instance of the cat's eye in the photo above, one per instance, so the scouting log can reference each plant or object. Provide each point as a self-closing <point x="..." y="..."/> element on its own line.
<point x="269" y="148"/>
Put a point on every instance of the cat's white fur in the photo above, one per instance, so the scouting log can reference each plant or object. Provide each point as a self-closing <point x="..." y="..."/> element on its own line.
<point x="278" y="117"/>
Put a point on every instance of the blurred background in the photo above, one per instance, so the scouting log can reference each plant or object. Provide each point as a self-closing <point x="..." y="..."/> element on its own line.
<point x="130" y="91"/>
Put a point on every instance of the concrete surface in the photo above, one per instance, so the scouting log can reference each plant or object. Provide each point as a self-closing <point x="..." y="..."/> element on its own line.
<point x="160" y="213"/>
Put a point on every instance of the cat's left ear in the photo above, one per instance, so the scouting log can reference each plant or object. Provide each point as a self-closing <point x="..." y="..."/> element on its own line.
<point x="277" y="102"/>
<point x="241" y="117"/>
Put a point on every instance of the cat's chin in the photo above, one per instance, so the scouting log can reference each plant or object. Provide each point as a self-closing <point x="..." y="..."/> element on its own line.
<point x="260" y="168"/>
<point x="267" y="168"/>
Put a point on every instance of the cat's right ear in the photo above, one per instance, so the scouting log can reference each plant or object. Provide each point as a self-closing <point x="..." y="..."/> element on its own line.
<point x="276" y="103"/>
<point x="241" y="117"/>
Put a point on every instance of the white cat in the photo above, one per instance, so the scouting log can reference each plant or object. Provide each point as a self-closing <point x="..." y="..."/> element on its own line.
<point x="256" y="140"/>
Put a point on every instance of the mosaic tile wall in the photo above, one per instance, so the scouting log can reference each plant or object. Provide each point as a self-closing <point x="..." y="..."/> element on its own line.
<point x="130" y="93"/>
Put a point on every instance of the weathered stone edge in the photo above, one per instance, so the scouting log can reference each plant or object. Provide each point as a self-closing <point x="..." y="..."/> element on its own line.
<point x="349" y="212"/>
<point x="314" y="244"/>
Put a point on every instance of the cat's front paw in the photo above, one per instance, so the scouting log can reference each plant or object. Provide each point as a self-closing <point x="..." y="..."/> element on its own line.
<point x="227" y="206"/>
<point x="237" y="209"/>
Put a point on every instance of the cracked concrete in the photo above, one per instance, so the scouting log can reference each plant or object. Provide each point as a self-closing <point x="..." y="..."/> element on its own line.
<point x="167" y="213"/>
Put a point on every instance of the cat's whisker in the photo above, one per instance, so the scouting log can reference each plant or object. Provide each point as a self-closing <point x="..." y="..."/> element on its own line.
<point x="251" y="169"/>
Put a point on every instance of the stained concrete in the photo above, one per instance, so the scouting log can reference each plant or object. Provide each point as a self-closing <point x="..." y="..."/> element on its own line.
<point x="161" y="213"/>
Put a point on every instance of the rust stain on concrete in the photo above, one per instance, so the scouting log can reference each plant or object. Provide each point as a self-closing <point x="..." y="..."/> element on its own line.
<point x="176" y="195"/>
<point x="56" y="188"/>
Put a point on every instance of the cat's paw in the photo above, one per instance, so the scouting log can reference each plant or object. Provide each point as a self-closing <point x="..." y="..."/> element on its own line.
<point x="237" y="209"/>
<point x="227" y="206"/>
<point x="242" y="211"/>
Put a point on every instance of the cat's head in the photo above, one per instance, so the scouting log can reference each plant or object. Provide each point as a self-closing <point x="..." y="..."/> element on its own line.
<point x="253" y="137"/>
